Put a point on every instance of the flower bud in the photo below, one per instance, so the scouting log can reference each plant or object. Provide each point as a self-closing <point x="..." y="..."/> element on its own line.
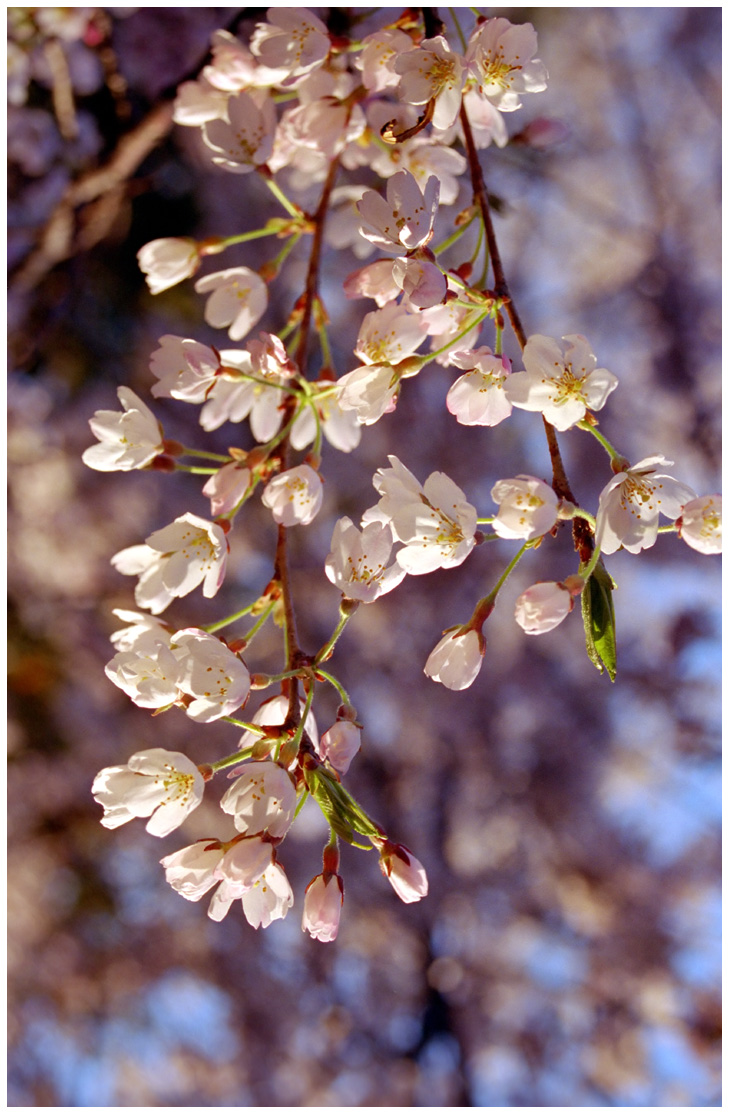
<point x="323" y="906"/>
<point x="405" y="873"/>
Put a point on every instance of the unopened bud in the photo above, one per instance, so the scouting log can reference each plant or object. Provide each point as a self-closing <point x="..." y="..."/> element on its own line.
<point x="260" y="681"/>
<point x="162" y="463"/>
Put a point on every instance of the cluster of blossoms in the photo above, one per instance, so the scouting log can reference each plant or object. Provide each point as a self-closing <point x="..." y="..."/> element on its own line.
<point x="297" y="105"/>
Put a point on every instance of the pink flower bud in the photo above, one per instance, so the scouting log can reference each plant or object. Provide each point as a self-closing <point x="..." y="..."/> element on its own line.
<point x="405" y="873"/>
<point x="340" y="744"/>
<point x="543" y="607"/>
<point x="323" y="906"/>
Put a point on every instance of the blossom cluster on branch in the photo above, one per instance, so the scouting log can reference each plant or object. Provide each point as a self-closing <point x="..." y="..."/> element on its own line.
<point x="303" y="107"/>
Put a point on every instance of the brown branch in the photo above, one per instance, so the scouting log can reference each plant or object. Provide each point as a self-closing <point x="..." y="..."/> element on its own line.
<point x="560" y="483"/>
<point x="312" y="275"/>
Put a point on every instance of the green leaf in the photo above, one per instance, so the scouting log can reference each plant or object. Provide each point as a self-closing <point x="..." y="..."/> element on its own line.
<point x="598" y="616"/>
<point x="319" y="789"/>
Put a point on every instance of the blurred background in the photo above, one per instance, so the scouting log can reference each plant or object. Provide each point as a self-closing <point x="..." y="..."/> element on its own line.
<point x="568" y="951"/>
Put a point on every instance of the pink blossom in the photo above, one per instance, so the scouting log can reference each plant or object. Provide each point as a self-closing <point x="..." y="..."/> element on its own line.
<point x="162" y="784"/>
<point x="630" y="504"/>
<point x="340" y="744"/>
<point x="227" y="487"/>
<point x="456" y="661"/>
<point x="527" y="508"/>
<point x="543" y="607"/>
<point x="405" y="873"/>
<point x="238" y="298"/>
<point x="478" y="397"/>
<point x="433" y="72"/>
<point x="700" y="524"/>
<point x="323" y="907"/>
<point x="294" y="497"/>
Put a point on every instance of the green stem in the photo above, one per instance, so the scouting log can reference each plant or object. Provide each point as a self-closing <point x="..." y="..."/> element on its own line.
<point x="454" y="340"/>
<point x="335" y="683"/>
<point x="281" y="197"/>
<point x="194" y="470"/>
<point x="205" y="455"/>
<point x="329" y="646"/>
<point x="232" y="759"/>
<point x="609" y="449"/>
<point x="589" y="568"/>
<point x="254" y="727"/>
<point x="251" y="634"/>
<point x="454" y="237"/>
<point x="491" y="597"/>
<point x="211" y="628"/>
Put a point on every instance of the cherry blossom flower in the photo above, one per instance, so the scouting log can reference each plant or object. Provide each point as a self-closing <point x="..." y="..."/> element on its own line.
<point x="242" y="865"/>
<point x="527" y="508"/>
<point x="162" y="784"/>
<point x="340" y="427"/>
<point x="340" y="744"/>
<point x="186" y="369"/>
<point x="629" y="505"/>
<point x="371" y="391"/>
<point x="422" y="281"/>
<point x="144" y="633"/>
<point x="198" y="102"/>
<point x="433" y="72"/>
<point x="127" y="440"/>
<point x="543" y="607"/>
<point x="404" y="872"/>
<point x="148" y="674"/>
<point x="174" y="560"/>
<point x="374" y="280"/>
<point x="272" y="713"/>
<point x="405" y="218"/>
<point x="478" y="397"/>
<point x="244" y="140"/>
<point x="343" y="226"/>
<point x="456" y="660"/>
<point x="227" y="487"/>
<point x="239" y="299"/>
<point x="233" y="399"/>
<point x="561" y="380"/>
<point x="294" y="41"/>
<point x="389" y="335"/>
<point x="487" y="123"/>
<point x="500" y="55"/>
<point x="445" y="324"/>
<point x="215" y="677"/>
<point x="233" y="67"/>
<point x="435" y="522"/>
<point x="357" y="562"/>
<point x="262" y="799"/>
<point x="323" y="907"/>
<point x="191" y="870"/>
<point x="325" y="126"/>
<point x="294" y="497"/>
<point x="380" y="50"/>
<point x="168" y="261"/>
<point x="269" y="898"/>
<point x="700" y="524"/>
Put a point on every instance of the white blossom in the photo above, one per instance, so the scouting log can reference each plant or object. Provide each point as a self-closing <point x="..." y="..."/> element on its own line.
<point x="422" y="281"/>
<point x="527" y="508"/>
<point x="243" y="864"/>
<point x="500" y="55"/>
<point x="162" y="784"/>
<point x="294" y="497"/>
<point x="445" y="324"/>
<point x="259" y="397"/>
<point x="262" y="799"/>
<point x="191" y="870"/>
<point x="542" y="607"/>
<point x="269" y="899"/>
<point x="374" y="280"/>
<point x="478" y="397"/>
<point x="629" y="506"/>
<point x="357" y="563"/>
<point x="272" y="713"/>
<point x="433" y="72"/>
<point x="404" y="219"/>
<point x="198" y="102"/>
<point x="700" y="524"/>
<point x="186" y="369"/>
<point x="405" y="873"/>
<point x="340" y="427"/>
<point x="238" y="299"/>
<point x="456" y="660"/>
<point x="244" y="140"/>
<point x="148" y="674"/>
<point x="370" y="391"/>
<point x="294" y="41"/>
<point x="168" y="261"/>
<point x="435" y="522"/>
<point x="340" y="744"/>
<point x="561" y="380"/>
<point x="127" y="440"/>
<point x="174" y="560"/>
<point x="323" y="907"/>
<point x="389" y="335"/>
<point x="144" y="633"/>
<point x="380" y="50"/>
<point x="215" y="677"/>
<point x="226" y="487"/>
